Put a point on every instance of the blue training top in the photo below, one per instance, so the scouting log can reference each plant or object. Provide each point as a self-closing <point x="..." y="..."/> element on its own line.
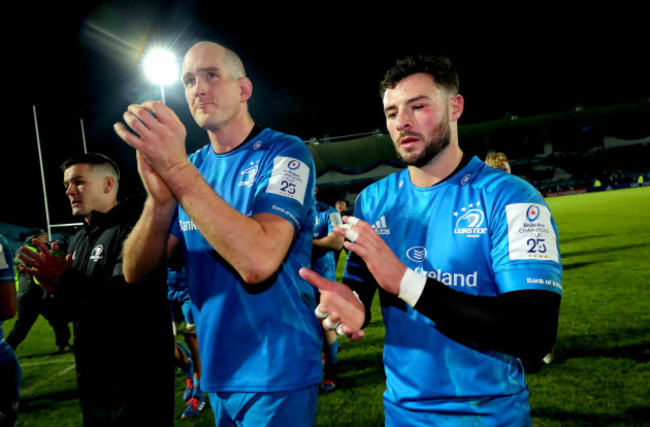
<point x="7" y="273"/>
<point x="322" y="260"/>
<point x="254" y="339"/>
<point x="483" y="232"/>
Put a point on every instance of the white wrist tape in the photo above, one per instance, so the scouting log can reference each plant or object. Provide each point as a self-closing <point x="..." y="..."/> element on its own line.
<point x="411" y="287"/>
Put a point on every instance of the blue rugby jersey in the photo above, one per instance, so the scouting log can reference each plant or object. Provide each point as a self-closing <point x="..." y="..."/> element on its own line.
<point x="322" y="260"/>
<point x="482" y="232"/>
<point x="7" y="273"/>
<point x="252" y="341"/>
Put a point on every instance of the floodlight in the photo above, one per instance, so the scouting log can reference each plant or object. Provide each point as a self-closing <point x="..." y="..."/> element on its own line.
<point x="160" y="66"/>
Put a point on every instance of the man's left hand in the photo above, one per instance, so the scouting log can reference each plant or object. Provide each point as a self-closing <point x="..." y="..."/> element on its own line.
<point x="157" y="133"/>
<point x="364" y="241"/>
<point x="45" y="266"/>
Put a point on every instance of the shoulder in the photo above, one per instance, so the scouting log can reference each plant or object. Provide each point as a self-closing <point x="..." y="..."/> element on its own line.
<point x="5" y="253"/>
<point x="199" y="155"/>
<point x="279" y="143"/>
<point x="277" y="137"/>
<point x="4" y="245"/>
<point x="498" y="184"/>
<point x="388" y="184"/>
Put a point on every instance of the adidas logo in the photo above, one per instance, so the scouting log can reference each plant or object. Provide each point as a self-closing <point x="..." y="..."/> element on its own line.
<point x="380" y="226"/>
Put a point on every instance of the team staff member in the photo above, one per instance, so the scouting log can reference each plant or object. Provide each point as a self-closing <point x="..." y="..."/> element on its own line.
<point x="90" y="286"/>
<point x="244" y="221"/>
<point x="466" y="286"/>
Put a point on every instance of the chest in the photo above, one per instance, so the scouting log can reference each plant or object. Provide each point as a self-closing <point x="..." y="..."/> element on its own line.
<point x="440" y="234"/>
<point x="96" y="254"/>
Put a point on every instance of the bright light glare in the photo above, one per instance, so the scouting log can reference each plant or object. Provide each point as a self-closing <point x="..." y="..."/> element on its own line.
<point x="160" y="67"/>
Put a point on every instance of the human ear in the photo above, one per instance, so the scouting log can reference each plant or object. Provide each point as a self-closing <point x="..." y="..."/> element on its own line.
<point x="457" y="104"/>
<point x="246" y="88"/>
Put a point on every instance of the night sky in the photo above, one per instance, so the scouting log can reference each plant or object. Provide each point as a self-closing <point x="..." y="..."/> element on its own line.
<point x="315" y="71"/>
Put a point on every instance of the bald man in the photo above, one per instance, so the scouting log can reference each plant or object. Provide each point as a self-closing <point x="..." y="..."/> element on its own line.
<point x="242" y="210"/>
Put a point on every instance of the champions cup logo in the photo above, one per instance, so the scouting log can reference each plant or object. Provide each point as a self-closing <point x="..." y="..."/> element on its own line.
<point x="470" y="223"/>
<point x="294" y="164"/>
<point x="532" y="213"/>
<point x="416" y="253"/>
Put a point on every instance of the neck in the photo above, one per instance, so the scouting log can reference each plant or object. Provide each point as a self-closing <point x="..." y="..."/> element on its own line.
<point x="229" y="137"/>
<point x="439" y="168"/>
<point x="105" y="209"/>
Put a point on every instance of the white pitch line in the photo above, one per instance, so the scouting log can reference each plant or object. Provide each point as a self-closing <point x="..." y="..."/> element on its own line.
<point x="50" y="361"/>
<point x="28" y="390"/>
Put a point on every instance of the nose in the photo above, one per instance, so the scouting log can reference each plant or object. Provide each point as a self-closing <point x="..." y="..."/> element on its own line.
<point x="200" y="86"/>
<point x="402" y="121"/>
<point x="70" y="190"/>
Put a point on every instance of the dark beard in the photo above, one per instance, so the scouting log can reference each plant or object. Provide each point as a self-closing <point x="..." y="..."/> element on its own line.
<point x="434" y="146"/>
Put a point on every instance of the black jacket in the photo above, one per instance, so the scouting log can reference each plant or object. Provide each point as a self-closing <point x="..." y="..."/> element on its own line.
<point x="122" y="331"/>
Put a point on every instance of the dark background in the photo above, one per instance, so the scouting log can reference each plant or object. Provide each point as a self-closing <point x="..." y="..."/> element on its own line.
<point x="315" y="71"/>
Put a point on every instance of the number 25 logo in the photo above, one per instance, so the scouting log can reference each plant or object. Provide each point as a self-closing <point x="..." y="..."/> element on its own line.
<point x="536" y="246"/>
<point x="287" y="187"/>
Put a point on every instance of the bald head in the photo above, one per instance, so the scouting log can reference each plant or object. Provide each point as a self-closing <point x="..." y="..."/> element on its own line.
<point x="230" y="60"/>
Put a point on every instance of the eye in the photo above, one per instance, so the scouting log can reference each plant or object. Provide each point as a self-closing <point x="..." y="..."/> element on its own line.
<point x="189" y="81"/>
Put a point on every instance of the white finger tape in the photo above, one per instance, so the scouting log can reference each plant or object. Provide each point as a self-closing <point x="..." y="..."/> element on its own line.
<point x="320" y="314"/>
<point x="339" y="330"/>
<point x="351" y="235"/>
<point x="352" y="220"/>
<point x="330" y="324"/>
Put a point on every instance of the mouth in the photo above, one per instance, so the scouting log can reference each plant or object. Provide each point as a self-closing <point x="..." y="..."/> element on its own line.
<point x="202" y="105"/>
<point x="408" y="140"/>
<point x="75" y="203"/>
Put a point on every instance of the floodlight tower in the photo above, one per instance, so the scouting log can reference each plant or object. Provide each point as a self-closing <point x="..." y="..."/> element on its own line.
<point x="160" y="67"/>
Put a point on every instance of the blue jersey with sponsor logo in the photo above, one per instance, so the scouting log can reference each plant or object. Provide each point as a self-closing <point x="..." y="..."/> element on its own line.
<point x="7" y="273"/>
<point x="322" y="260"/>
<point x="177" y="287"/>
<point x="483" y="232"/>
<point x="264" y="337"/>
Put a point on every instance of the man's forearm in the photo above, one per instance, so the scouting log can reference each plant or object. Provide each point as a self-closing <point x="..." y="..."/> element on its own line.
<point x="521" y="323"/>
<point x="146" y="246"/>
<point x="332" y="241"/>
<point x="253" y="246"/>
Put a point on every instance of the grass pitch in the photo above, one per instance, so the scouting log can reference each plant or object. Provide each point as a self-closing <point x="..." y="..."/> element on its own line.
<point x="599" y="376"/>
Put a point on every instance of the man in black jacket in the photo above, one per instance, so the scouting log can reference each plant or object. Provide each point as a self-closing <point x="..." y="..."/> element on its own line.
<point x="90" y="286"/>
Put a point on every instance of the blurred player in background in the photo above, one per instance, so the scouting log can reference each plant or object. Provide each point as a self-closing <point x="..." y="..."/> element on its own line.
<point x="10" y="371"/>
<point x="326" y="244"/>
<point x="499" y="161"/>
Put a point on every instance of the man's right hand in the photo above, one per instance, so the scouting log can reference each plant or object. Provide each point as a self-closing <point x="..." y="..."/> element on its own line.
<point x="339" y="308"/>
<point x="155" y="186"/>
